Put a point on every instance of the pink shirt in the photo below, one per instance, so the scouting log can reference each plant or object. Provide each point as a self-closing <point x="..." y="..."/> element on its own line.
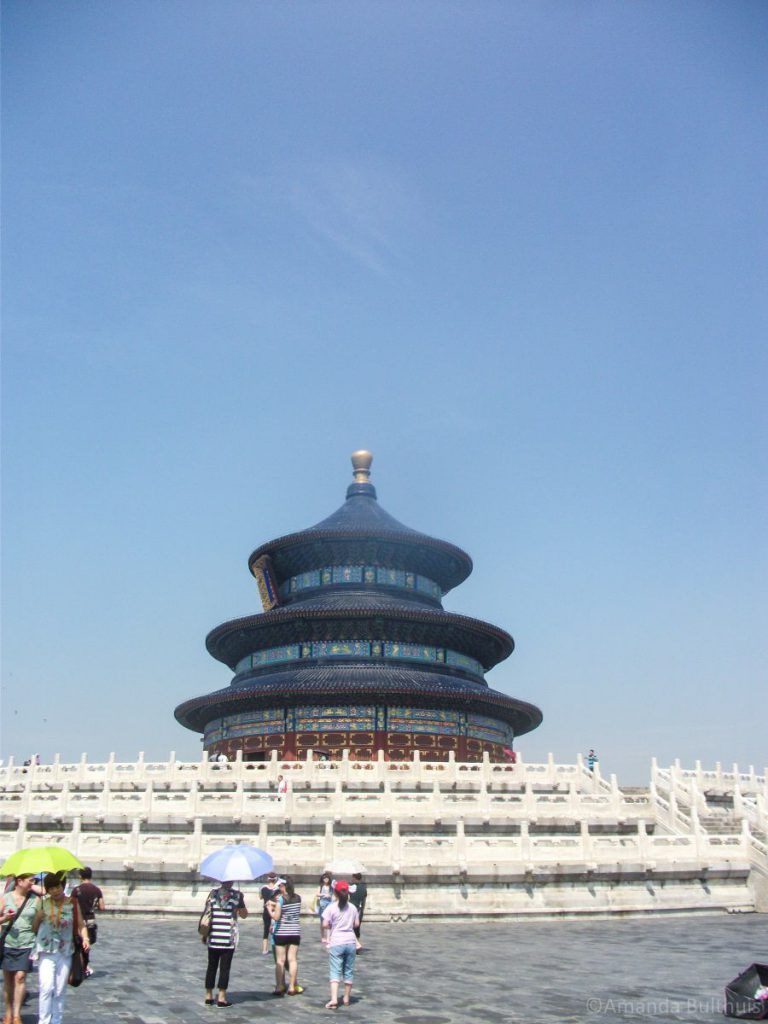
<point x="342" y="923"/>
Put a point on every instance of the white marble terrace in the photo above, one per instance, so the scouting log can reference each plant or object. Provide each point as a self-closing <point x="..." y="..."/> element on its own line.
<point x="438" y="838"/>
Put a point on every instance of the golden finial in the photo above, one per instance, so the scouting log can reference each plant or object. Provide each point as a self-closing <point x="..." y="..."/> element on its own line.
<point x="361" y="464"/>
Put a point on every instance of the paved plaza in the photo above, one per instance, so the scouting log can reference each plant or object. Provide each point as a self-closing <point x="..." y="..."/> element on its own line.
<point x="648" y="969"/>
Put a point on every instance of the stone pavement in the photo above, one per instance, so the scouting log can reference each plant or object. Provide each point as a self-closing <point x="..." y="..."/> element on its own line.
<point x="653" y="969"/>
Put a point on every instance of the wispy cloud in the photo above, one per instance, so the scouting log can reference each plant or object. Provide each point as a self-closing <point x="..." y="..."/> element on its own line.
<point x="362" y="207"/>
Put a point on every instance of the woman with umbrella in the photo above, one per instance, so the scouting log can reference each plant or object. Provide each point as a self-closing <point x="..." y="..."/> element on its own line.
<point x="56" y="920"/>
<point x="18" y="939"/>
<point x="225" y="905"/>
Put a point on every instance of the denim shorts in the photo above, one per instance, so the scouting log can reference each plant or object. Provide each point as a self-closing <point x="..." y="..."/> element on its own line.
<point x="342" y="962"/>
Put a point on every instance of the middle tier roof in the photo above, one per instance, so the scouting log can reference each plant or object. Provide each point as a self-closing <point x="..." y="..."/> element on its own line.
<point x="358" y="620"/>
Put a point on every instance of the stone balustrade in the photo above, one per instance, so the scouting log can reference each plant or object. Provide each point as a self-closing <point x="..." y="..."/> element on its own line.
<point x="244" y="802"/>
<point x="429" y="825"/>
<point x="735" y="795"/>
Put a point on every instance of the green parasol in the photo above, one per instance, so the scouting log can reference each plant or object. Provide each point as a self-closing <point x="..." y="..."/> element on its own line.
<point x="36" y="860"/>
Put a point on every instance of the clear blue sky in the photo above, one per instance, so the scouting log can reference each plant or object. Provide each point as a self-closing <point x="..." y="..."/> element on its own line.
<point x="518" y="250"/>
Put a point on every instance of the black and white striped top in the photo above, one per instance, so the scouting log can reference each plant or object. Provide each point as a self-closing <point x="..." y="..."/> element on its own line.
<point x="288" y="927"/>
<point x="224" y="906"/>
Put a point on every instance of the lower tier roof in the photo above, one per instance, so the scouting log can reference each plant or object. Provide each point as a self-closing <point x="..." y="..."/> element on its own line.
<point x="358" y="684"/>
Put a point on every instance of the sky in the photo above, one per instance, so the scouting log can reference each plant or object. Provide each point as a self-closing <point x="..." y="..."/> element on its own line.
<point x="517" y="250"/>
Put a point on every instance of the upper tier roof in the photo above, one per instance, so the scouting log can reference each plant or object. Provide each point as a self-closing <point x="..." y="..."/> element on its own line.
<point x="361" y="532"/>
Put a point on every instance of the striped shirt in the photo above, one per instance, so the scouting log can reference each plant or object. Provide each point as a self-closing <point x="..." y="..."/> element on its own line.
<point x="224" y="906"/>
<point x="288" y="927"/>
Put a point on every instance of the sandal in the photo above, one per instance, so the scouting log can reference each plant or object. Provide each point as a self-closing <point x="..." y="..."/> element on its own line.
<point x="331" y="1006"/>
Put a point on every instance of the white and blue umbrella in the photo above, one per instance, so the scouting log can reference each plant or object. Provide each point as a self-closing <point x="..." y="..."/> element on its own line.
<point x="236" y="862"/>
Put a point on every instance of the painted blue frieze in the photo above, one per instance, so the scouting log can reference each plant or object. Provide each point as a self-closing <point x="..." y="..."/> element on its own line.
<point x="489" y="729"/>
<point x="439" y="722"/>
<point x="341" y="649"/>
<point x="390" y="649"/>
<point x="463" y="661"/>
<point x="332" y="718"/>
<point x="366" y="574"/>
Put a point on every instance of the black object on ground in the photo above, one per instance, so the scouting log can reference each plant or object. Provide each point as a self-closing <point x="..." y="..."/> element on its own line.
<point x="740" y="994"/>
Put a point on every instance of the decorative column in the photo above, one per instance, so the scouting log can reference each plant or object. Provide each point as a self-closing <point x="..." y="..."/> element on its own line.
<point x="329" y="843"/>
<point x="461" y="845"/>
<point x="395" y="848"/>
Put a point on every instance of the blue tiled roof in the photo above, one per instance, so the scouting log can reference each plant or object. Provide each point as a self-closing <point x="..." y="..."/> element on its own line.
<point x="375" y="599"/>
<point x="361" y="531"/>
<point x="360" y="683"/>
<point x="363" y="514"/>
<point x="300" y="622"/>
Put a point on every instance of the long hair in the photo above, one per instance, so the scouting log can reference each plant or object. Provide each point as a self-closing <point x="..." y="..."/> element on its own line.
<point x="289" y="890"/>
<point x="325" y="878"/>
<point x="343" y="898"/>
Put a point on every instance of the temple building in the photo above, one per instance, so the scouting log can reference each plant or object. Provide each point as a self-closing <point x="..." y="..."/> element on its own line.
<point x="354" y="650"/>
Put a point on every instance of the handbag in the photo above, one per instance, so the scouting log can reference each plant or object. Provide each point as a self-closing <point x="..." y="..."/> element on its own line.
<point x="77" y="967"/>
<point x="204" y="922"/>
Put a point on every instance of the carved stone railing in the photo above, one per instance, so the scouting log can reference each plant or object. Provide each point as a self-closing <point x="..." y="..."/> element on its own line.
<point x="150" y="823"/>
<point x="146" y="793"/>
<point x="736" y="797"/>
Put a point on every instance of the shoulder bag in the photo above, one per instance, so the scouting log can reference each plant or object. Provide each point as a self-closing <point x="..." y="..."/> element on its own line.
<point x="77" y="967"/>
<point x="204" y="921"/>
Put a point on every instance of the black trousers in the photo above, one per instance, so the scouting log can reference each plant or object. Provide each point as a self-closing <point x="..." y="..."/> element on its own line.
<point x="221" y="959"/>
<point x="267" y="922"/>
<point x="93" y="934"/>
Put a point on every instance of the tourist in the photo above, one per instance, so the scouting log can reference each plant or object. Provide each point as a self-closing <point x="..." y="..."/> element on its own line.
<point x="90" y="898"/>
<point x="324" y="896"/>
<point x="57" y="918"/>
<point x="592" y="760"/>
<point x="269" y="892"/>
<point x="285" y="912"/>
<point x="18" y="912"/>
<point x="226" y="904"/>
<point x="339" y="921"/>
<point x="282" y="787"/>
<point x="358" y="894"/>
